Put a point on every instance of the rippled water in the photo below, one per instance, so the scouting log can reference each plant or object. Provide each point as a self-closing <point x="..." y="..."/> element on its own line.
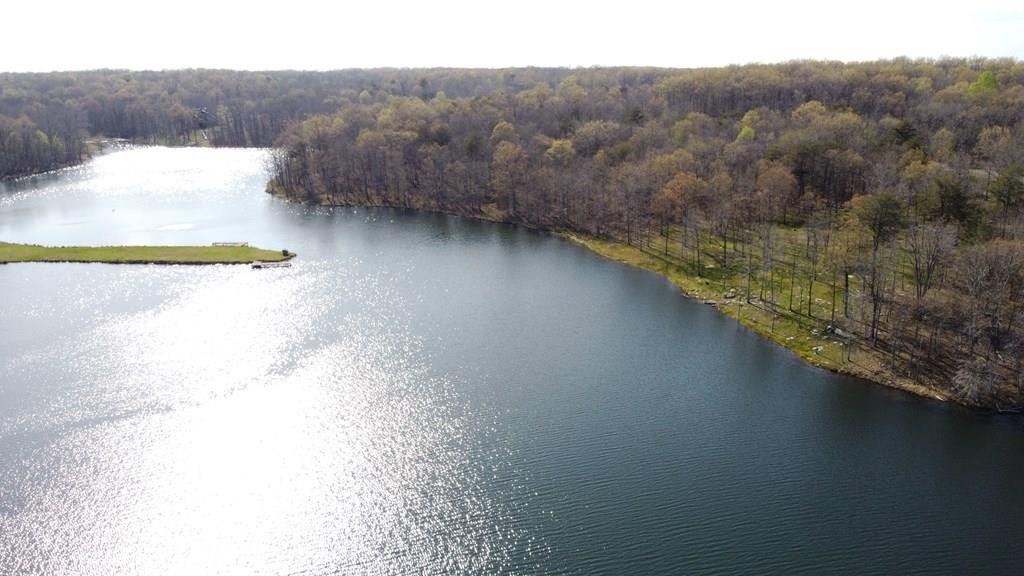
<point x="423" y="394"/>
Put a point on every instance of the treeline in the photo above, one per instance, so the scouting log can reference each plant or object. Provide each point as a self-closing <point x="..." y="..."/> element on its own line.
<point x="47" y="119"/>
<point x="879" y="202"/>
<point x="26" y="149"/>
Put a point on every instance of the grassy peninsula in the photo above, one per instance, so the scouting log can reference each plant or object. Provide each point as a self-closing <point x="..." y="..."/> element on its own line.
<point x="140" y="254"/>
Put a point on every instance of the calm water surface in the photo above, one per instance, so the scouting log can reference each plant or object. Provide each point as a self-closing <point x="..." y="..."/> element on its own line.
<point x="421" y="394"/>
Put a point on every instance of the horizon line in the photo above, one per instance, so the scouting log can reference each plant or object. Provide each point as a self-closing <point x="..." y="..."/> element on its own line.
<point x="893" y="59"/>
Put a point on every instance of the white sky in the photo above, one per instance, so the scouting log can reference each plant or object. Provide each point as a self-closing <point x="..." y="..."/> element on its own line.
<point x="40" y="35"/>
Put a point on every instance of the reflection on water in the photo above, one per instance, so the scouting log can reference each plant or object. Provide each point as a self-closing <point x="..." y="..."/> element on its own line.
<point x="237" y="422"/>
<point x="420" y="394"/>
<point x="223" y="420"/>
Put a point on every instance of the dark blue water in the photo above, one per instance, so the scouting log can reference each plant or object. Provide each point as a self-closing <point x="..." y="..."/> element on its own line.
<point x="425" y="394"/>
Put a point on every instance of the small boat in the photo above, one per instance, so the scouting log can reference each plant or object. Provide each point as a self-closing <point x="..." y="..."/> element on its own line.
<point x="235" y="244"/>
<point x="259" y="265"/>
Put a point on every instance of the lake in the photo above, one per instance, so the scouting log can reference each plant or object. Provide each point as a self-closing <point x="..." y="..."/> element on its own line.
<point x="424" y="394"/>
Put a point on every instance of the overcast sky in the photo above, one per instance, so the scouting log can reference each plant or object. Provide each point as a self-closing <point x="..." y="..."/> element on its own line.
<point x="41" y="35"/>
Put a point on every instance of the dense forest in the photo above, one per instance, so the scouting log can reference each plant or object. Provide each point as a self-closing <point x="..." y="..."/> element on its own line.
<point x="876" y="203"/>
<point x="47" y="120"/>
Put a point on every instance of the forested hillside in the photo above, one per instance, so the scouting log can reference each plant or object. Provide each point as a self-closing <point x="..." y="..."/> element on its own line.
<point x="875" y="205"/>
<point x="46" y="120"/>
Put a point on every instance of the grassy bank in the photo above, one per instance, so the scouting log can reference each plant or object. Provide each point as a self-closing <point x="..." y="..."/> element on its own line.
<point x="139" y="254"/>
<point x="805" y="337"/>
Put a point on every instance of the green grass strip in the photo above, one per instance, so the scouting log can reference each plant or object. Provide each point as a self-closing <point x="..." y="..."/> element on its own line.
<point x="140" y="254"/>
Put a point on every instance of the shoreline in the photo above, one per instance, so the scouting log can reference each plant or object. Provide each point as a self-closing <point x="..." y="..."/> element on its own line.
<point x="811" y="346"/>
<point x="690" y="287"/>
